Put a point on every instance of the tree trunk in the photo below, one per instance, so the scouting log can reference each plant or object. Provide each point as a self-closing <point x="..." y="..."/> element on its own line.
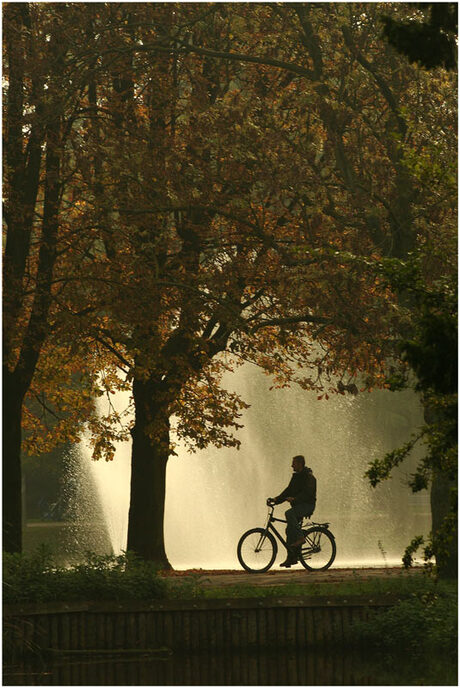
<point x="445" y="542"/>
<point x="441" y="493"/>
<point x="12" y="477"/>
<point x="148" y="476"/>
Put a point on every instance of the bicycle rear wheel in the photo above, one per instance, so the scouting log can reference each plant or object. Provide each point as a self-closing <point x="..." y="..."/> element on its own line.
<point x="257" y="550"/>
<point x="319" y="549"/>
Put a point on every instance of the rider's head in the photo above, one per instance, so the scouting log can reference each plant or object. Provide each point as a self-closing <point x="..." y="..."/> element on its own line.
<point x="298" y="463"/>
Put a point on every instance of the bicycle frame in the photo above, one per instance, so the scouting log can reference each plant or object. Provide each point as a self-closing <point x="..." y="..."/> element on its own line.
<point x="271" y="527"/>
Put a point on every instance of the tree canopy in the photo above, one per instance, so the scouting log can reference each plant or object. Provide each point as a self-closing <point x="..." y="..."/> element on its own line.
<point x="191" y="186"/>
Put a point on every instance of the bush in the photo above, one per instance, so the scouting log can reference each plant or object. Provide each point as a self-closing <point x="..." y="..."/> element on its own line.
<point x="35" y="578"/>
<point x="419" y="623"/>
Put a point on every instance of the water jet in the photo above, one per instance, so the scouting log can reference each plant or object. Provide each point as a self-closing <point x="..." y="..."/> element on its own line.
<point x="212" y="496"/>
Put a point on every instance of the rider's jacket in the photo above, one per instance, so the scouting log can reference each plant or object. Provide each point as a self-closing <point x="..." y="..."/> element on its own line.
<point x="302" y="487"/>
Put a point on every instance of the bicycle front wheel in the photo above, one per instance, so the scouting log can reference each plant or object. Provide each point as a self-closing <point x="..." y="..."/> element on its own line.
<point x="319" y="549"/>
<point x="257" y="550"/>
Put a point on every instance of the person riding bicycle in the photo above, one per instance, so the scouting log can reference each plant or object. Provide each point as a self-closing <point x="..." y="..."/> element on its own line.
<point x="301" y="494"/>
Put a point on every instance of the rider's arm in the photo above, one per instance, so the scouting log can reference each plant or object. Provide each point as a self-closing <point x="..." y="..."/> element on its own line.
<point x="284" y="494"/>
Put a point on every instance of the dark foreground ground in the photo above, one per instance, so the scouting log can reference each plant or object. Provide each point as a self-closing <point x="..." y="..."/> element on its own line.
<point x="298" y="575"/>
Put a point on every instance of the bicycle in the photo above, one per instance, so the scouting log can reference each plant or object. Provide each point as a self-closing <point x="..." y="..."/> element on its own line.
<point x="257" y="548"/>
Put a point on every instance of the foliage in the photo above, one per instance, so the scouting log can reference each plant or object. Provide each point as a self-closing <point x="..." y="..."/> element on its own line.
<point x="431" y="353"/>
<point x="263" y="263"/>
<point x="423" y="623"/>
<point x="209" y="236"/>
<point x="428" y="343"/>
<point x="408" y="559"/>
<point x="211" y="185"/>
<point x="35" y="578"/>
<point x="427" y="281"/>
<point x="396" y="668"/>
<point x="380" y="469"/>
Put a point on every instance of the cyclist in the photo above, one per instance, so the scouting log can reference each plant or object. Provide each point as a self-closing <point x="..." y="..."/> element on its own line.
<point x="301" y="494"/>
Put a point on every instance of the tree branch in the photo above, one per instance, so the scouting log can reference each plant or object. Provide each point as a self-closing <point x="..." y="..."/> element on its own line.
<point x="241" y="57"/>
<point x="306" y="318"/>
<point x="114" y="351"/>
<point x="382" y="84"/>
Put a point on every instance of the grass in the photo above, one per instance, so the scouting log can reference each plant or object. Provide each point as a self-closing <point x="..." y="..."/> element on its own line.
<point x="384" y="587"/>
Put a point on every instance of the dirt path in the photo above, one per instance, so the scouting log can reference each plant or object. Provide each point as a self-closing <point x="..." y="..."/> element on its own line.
<point x="217" y="578"/>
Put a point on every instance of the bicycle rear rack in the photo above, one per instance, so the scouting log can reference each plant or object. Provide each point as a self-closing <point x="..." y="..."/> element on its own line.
<point x="313" y="523"/>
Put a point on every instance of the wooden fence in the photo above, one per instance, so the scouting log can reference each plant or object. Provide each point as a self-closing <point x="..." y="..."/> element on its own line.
<point x="211" y="624"/>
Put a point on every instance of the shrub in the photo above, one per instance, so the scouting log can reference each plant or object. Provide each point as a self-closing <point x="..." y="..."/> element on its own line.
<point x="35" y="578"/>
<point x="419" y="623"/>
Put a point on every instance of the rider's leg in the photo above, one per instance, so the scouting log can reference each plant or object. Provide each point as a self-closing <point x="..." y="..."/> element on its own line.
<point x="293" y="531"/>
<point x="294" y="517"/>
<point x="294" y="535"/>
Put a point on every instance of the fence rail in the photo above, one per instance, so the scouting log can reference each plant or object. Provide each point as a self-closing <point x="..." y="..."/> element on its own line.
<point x="188" y="625"/>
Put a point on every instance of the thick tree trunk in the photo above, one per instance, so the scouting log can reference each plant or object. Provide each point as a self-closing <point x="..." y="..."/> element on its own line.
<point x="12" y="476"/>
<point x="148" y="477"/>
